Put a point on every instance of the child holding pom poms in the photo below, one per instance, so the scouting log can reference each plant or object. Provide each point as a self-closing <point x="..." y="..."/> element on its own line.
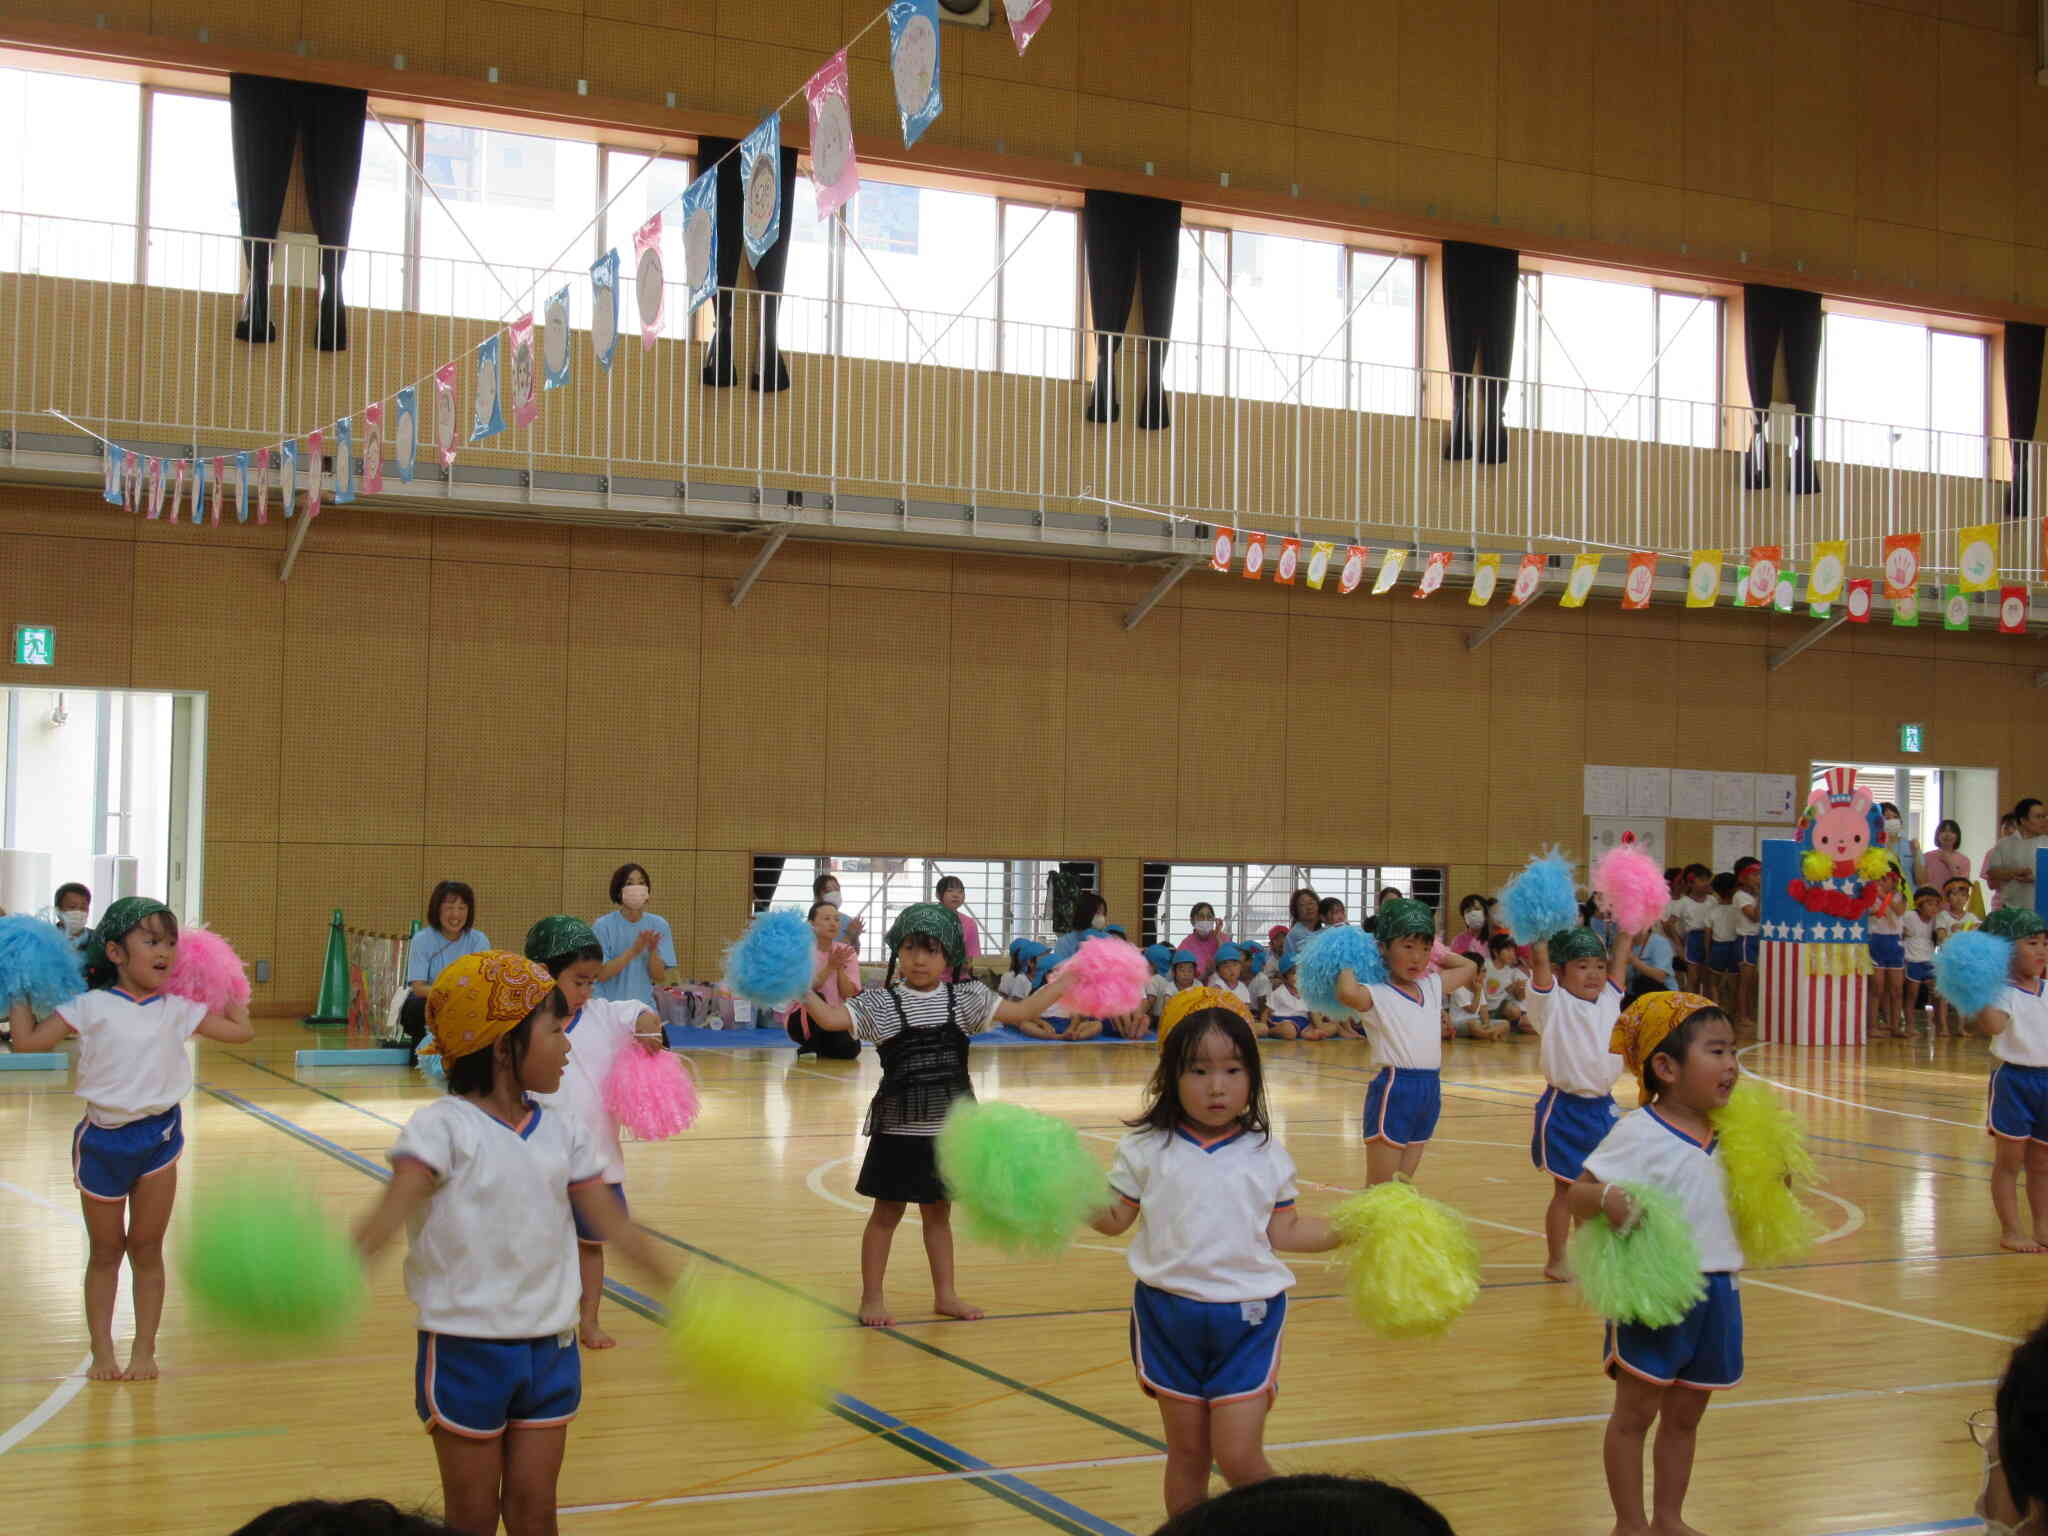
<point x="1217" y="1195"/>
<point x="1682" y="1049"/>
<point x="1995" y="976"/>
<point x="1574" y="1001"/>
<point x="489" y="1186"/>
<point x="133" y="1070"/>
<point x="920" y="1026"/>
<point x="599" y="1029"/>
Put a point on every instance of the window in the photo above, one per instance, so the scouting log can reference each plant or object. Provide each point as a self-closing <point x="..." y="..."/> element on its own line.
<point x="812" y="276"/>
<point x="1613" y="359"/>
<point x="1039" y="290"/>
<point x="521" y="199"/>
<point x="382" y="229"/>
<point x="88" y="145"/>
<point x="930" y="252"/>
<point x="649" y="189"/>
<point x="194" y="226"/>
<point x="1271" y="317"/>
<point x="1251" y="899"/>
<point x="1892" y="391"/>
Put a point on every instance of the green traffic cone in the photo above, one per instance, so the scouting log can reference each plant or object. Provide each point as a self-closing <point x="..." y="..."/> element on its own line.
<point x="333" y="1005"/>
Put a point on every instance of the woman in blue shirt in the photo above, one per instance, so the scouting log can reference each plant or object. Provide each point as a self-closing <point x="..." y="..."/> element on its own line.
<point x="451" y="933"/>
<point x="638" y="947"/>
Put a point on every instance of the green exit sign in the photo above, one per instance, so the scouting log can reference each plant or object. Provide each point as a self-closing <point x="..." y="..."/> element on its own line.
<point x="35" y="645"/>
<point x="1912" y="738"/>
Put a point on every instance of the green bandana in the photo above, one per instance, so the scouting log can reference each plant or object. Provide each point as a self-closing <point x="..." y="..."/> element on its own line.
<point x="553" y="937"/>
<point x="1402" y="918"/>
<point x="2013" y="923"/>
<point x="933" y="921"/>
<point x="117" y="922"/>
<point x="1576" y="944"/>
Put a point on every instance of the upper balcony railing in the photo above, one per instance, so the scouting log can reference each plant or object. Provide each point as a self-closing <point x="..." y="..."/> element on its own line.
<point x="956" y="423"/>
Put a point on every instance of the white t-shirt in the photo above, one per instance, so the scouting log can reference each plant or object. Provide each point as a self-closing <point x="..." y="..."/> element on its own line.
<point x="1242" y="992"/>
<point x="1283" y="1002"/>
<point x="2024" y="1041"/>
<point x="1946" y="923"/>
<point x="1157" y="990"/>
<point x="1496" y="982"/>
<point x="1015" y="985"/>
<point x="1575" y="1037"/>
<point x="1693" y="913"/>
<point x="1408" y="1030"/>
<point x="1882" y="920"/>
<point x="601" y="1029"/>
<point x="1919" y="934"/>
<point x="493" y="1251"/>
<point x="876" y="1021"/>
<point x="132" y="1060"/>
<point x="2018" y="853"/>
<point x="1259" y="988"/>
<point x="1722" y="921"/>
<point x="1204" y="1210"/>
<point x="1747" y="922"/>
<point x="1645" y="1148"/>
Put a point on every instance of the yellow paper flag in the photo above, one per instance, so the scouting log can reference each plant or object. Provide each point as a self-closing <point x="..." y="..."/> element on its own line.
<point x="1584" y="569"/>
<point x="1318" y="566"/>
<point x="1703" y="581"/>
<point x="1485" y="572"/>
<point x="1390" y="571"/>
<point x="1830" y="567"/>
<point x="1977" y="558"/>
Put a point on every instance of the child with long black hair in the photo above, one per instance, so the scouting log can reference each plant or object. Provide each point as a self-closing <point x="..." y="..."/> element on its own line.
<point x="1217" y="1193"/>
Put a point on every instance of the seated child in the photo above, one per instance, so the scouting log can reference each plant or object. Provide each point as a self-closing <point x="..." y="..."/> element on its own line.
<point x="1018" y="982"/>
<point x="1229" y="974"/>
<point x="1159" y="985"/>
<point x="1503" y="986"/>
<point x="1284" y="1014"/>
<point x="1464" y="1018"/>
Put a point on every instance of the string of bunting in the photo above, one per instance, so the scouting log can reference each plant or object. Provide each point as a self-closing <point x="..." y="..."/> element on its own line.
<point x="156" y="487"/>
<point x="1763" y="580"/>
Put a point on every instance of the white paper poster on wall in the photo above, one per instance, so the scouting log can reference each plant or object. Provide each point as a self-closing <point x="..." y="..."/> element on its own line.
<point x="1692" y="794"/>
<point x="1606" y="790"/>
<point x="1734" y="797"/>
<point x="1606" y="832"/>
<point x="1732" y="843"/>
<point x="1777" y="797"/>
<point x="1649" y="792"/>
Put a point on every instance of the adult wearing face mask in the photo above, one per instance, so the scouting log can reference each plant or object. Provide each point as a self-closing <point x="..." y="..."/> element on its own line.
<point x="2009" y="866"/>
<point x="1205" y="937"/>
<point x="1895" y="838"/>
<point x="1470" y="939"/>
<point x="826" y="889"/>
<point x="638" y="947"/>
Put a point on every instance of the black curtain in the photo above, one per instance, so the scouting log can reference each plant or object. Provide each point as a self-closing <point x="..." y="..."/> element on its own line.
<point x="768" y="276"/>
<point x="767" y="876"/>
<point x="1481" y="284"/>
<point x="1133" y="246"/>
<point x="2023" y="349"/>
<point x="1771" y="318"/>
<point x="269" y="119"/>
<point x="1151" y="927"/>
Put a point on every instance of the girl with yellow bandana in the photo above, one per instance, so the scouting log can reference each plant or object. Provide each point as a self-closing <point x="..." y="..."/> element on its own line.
<point x="484" y="1181"/>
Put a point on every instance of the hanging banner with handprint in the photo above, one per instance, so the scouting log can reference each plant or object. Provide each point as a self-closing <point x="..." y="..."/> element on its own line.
<point x="1901" y="564"/>
<point x="1977" y="558"/>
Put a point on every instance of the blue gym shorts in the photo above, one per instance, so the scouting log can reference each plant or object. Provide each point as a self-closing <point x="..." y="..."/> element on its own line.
<point x="108" y="1162"/>
<point x="1752" y="948"/>
<point x="2018" y="1108"/>
<point x="1725" y="955"/>
<point x="1696" y="946"/>
<point x="1206" y="1351"/>
<point x="583" y="1232"/>
<point x="479" y="1388"/>
<point x="1568" y="1126"/>
<point x="1919" y="970"/>
<point x="1402" y="1105"/>
<point x="1703" y="1352"/>
<point x="1887" y="951"/>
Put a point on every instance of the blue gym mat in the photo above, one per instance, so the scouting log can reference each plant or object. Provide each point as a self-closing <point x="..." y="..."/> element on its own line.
<point x="682" y="1039"/>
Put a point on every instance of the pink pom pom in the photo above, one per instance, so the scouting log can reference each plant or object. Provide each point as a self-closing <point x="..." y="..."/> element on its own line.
<point x="207" y="970"/>
<point x="1440" y="955"/>
<point x="1109" y="979"/>
<point x="1633" y="885"/>
<point x="650" y="1094"/>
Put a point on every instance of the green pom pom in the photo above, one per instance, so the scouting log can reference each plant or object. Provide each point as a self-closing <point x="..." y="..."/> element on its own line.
<point x="1022" y="1180"/>
<point x="263" y="1260"/>
<point x="752" y="1349"/>
<point x="1764" y="1158"/>
<point x="1411" y="1266"/>
<point x="1649" y="1274"/>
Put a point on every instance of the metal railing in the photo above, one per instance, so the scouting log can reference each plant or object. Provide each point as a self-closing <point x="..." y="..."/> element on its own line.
<point x="955" y="421"/>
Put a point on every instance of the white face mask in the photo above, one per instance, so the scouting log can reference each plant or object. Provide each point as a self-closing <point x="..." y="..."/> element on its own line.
<point x="73" y="920"/>
<point x="1205" y="926"/>
<point x="830" y="898"/>
<point x="1476" y="918"/>
<point x="1101" y="920"/>
<point x="634" y="895"/>
<point x="1892" y="823"/>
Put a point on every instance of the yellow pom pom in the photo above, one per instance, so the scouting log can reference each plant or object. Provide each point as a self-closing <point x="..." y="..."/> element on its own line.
<point x="752" y="1349"/>
<point x="1875" y="864"/>
<point x="1411" y="1265"/>
<point x="1816" y="865"/>
<point x="1764" y="1157"/>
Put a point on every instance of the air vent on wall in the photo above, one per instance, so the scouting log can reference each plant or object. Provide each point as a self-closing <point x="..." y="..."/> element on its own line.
<point x="975" y="13"/>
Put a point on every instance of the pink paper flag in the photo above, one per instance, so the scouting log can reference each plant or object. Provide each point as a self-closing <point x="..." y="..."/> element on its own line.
<point x="220" y="485"/>
<point x="314" y="448"/>
<point x="650" y="287"/>
<point x="525" y="400"/>
<point x="834" y="169"/>
<point x="155" y="471"/>
<point x="264" y="461"/>
<point x="373" y="449"/>
<point x="444" y="414"/>
<point x="179" y="469"/>
<point x="1026" y="17"/>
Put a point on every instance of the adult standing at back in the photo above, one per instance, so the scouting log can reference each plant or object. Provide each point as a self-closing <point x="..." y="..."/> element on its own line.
<point x="951" y="893"/>
<point x="2009" y="866"/>
<point x="638" y="947"/>
<point x="1945" y="861"/>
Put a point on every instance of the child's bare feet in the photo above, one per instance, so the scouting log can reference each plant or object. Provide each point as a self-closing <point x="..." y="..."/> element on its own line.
<point x="2019" y="1242"/>
<point x="141" y="1366"/>
<point x="591" y="1336"/>
<point x="1672" y="1528"/>
<point x="953" y="1306"/>
<point x="104" y="1366"/>
<point x="1630" y="1528"/>
<point x="874" y="1312"/>
<point x="1557" y="1272"/>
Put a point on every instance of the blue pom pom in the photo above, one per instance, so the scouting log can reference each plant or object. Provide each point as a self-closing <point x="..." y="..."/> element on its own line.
<point x="1324" y="956"/>
<point x="772" y="963"/>
<point x="431" y="1067"/>
<point x="1540" y="900"/>
<point x="1972" y="970"/>
<point x="37" y="962"/>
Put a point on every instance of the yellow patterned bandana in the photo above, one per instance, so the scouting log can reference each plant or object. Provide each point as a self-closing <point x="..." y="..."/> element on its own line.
<point x="481" y="997"/>
<point x="1194" y="1000"/>
<point x="1644" y="1024"/>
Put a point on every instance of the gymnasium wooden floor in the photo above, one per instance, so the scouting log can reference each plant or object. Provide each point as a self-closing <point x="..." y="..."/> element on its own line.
<point x="1863" y="1363"/>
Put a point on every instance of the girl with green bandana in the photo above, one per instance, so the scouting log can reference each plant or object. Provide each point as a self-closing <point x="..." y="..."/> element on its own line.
<point x="133" y="1073"/>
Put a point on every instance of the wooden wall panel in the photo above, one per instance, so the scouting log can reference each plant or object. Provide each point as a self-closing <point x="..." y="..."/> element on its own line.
<point x="1638" y="59"/>
<point x="515" y="887"/>
<point x="1244" y="57"/>
<point x="761" y="769"/>
<point x="1897" y="117"/>
<point x="1813" y="105"/>
<point x="82" y="587"/>
<point x="1539" y="721"/>
<point x="1448" y="52"/>
<point x="1547" y="59"/>
<point x="1976" y="169"/>
<point x="1347" y="63"/>
<point x="241" y="903"/>
<point x="1137" y="50"/>
<point x="885" y="778"/>
<point x="1006" y="782"/>
<point x="1130" y="700"/>
<point x="1333" y="793"/>
<point x="376" y="886"/>
<point x="1437" y="772"/>
<point x="1231" y="784"/>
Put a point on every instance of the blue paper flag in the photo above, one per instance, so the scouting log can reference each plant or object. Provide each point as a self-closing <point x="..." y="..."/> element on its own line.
<point x="344" y="460"/>
<point x="914" y="65"/>
<point x="604" y="308"/>
<point x="489" y="419"/>
<point x="408" y="425"/>
<point x="199" y="490"/>
<point x="242" y="487"/>
<point x="554" y="341"/>
<point x="111" y="488"/>
<point x="699" y="223"/>
<point x="288" y="474"/>
<point x="761" y="187"/>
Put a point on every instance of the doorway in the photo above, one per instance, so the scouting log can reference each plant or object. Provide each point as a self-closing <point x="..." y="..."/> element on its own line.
<point x="105" y="789"/>
<point x="1928" y="794"/>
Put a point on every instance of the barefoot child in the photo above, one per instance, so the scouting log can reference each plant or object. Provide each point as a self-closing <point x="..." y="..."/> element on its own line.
<point x="1682" y="1050"/>
<point x="133" y="1071"/>
<point x="1216" y="1193"/>
<point x="489" y="1187"/>
<point x="1574" y="1000"/>
<point x="1404" y="1018"/>
<point x="920" y="1026"/>
<point x="569" y="950"/>
<point x="2018" y="1027"/>
<point x="1916" y="937"/>
<point x="1282" y="1013"/>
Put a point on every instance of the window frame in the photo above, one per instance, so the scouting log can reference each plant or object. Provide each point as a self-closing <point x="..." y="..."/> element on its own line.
<point x="1164" y="927"/>
<point x="1930" y="326"/>
<point x="1526" y="381"/>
